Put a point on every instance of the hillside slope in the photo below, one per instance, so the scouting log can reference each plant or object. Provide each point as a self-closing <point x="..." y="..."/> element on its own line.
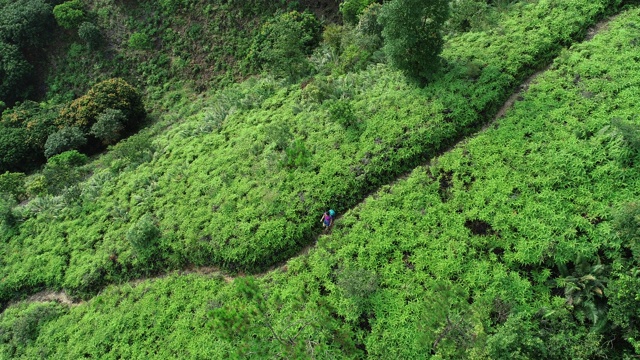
<point x="503" y="247"/>
<point x="241" y="180"/>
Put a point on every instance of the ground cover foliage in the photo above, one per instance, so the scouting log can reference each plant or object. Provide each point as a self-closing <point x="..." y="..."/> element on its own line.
<point x="238" y="182"/>
<point x="520" y="243"/>
<point x="198" y="44"/>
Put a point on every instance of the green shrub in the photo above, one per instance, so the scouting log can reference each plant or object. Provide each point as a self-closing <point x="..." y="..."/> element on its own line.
<point x="467" y="15"/>
<point x="140" y="41"/>
<point x="351" y="9"/>
<point x="133" y="151"/>
<point x="548" y="334"/>
<point x="354" y="58"/>
<point x="278" y="134"/>
<point x="626" y="224"/>
<point x="341" y="112"/>
<point x="36" y="185"/>
<point x="14" y="73"/>
<point x="25" y="23"/>
<point x="351" y="48"/>
<point x="69" y="138"/>
<point x="623" y="302"/>
<point x="36" y="119"/>
<point x="283" y="43"/>
<point x="412" y="43"/>
<point x="14" y="150"/>
<point x="332" y="36"/>
<point x="21" y="324"/>
<point x="12" y="184"/>
<point x="143" y="236"/>
<point x="358" y="285"/>
<point x="26" y="128"/>
<point x="64" y="170"/>
<point x="297" y="155"/>
<point x="69" y="14"/>
<point x="67" y="159"/>
<point x="24" y="27"/>
<point x="369" y="30"/>
<point x="369" y="24"/>
<point x="631" y="136"/>
<point x="109" y="126"/>
<point x="7" y="216"/>
<point x="90" y="34"/>
<point x="170" y="7"/>
<point x="318" y="91"/>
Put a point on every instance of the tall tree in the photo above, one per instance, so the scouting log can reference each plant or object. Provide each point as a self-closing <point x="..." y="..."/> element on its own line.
<point x="412" y="32"/>
<point x="24" y="27"/>
<point x="14" y="72"/>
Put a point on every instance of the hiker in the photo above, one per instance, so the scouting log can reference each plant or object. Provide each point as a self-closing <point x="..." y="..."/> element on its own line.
<point x="327" y="219"/>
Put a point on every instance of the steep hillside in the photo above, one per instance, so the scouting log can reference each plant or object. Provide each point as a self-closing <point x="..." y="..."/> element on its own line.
<point x="511" y="245"/>
<point x="193" y="44"/>
<point x="241" y="177"/>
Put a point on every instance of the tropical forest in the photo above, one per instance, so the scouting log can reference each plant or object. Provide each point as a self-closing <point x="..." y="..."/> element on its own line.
<point x="329" y="179"/>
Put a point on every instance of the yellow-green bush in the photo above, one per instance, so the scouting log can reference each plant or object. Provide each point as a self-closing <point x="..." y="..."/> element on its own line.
<point x="109" y="94"/>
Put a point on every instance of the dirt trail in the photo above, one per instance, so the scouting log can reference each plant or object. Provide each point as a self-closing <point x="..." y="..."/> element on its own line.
<point x="62" y="297"/>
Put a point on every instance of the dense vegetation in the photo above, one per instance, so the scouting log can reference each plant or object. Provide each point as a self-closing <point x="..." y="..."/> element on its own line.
<point x="24" y="30"/>
<point x="520" y="243"/>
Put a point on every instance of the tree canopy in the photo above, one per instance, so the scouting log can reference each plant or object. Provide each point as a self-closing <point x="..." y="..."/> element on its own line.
<point x="24" y="25"/>
<point x="412" y="33"/>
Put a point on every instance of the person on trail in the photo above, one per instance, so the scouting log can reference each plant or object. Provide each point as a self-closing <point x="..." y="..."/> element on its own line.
<point x="327" y="219"/>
